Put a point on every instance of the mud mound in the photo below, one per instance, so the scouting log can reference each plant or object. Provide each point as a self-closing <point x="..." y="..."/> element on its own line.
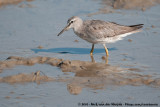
<point x="110" y="6"/>
<point x="130" y="4"/>
<point x="23" y="78"/>
<point x="87" y="74"/>
<point x="6" y="2"/>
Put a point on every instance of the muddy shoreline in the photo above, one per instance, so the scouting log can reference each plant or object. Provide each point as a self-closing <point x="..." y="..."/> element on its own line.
<point x="46" y="70"/>
<point x="14" y="2"/>
<point x="86" y="74"/>
<point x="111" y="6"/>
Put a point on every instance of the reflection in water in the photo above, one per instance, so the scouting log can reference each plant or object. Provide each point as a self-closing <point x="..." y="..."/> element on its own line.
<point x="92" y="59"/>
<point x="104" y="58"/>
<point x="86" y="74"/>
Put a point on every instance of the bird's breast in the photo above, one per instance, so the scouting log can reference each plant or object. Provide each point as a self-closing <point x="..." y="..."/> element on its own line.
<point x="85" y="37"/>
<point x="80" y="34"/>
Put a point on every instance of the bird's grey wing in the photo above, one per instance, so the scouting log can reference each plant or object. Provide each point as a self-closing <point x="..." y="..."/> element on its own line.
<point x="102" y="29"/>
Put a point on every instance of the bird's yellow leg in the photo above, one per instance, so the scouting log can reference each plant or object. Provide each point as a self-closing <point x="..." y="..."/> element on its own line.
<point x="107" y="54"/>
<point x="91" y="52"/>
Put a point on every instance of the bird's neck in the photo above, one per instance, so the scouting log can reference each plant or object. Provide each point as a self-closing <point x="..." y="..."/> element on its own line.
<point x="78" y="27"/>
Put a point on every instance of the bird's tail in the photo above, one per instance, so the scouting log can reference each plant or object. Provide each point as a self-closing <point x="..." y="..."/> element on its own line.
<point x="137" y="26"/>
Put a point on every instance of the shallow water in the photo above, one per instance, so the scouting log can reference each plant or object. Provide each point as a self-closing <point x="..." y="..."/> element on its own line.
<point x="27" y="25"/>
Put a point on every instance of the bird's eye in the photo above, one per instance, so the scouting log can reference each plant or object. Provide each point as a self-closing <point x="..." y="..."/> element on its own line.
<point x="71" y="22"/>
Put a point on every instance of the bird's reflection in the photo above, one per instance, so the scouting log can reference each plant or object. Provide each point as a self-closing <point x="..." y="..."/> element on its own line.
<point x="92" y="58"/>
<point x="103" y="57"/>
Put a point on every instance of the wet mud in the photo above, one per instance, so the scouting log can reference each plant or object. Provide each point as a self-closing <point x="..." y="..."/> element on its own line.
<point x="111" y="6"/>
<point x="8" y="2"/>
<point x="86" y="74"/>
<point x="130" y="4"/>
<point x="108" y="6"/>
<point x="23" y="78"/>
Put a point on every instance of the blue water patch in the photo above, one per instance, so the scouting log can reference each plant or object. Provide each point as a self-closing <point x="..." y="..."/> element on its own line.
<point x="69" y="50"/>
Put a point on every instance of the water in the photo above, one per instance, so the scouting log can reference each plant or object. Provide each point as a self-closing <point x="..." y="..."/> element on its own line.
<point x="24" y="29"/>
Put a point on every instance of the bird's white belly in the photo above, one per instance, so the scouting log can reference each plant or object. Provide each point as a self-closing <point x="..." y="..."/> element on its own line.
<point x="113" y="39"/>
<point x="103" y="40"/>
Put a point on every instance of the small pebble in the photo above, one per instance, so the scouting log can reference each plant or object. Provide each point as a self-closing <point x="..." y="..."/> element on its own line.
<point x="154" y="32"/>
<point x="40" y="47"/>
<point x="11" y="92"/>
<point x="147" y="28"/>
<point x="29" y="5"/>
<point x="124" y="59"/>
<point x="143" y="9"/>
<point x="153" y="26"/>
<point x="124" y="54"/>
<point x="7" y="97"/>
<point x="103" y="58"/>
<point x="76" y="41"/>
<point x="22" y="6"/>
<point x="130" y="98"/>
<point x="18" y="97"/>
<point x="29" y="0"/>
<point x="129" y="40"/>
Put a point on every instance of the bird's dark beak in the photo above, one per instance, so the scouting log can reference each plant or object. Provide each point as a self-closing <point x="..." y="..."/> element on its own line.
<point x="65" y="29"/>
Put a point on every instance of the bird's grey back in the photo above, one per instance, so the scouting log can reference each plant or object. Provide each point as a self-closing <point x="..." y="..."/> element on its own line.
<point x="102" y="29"/>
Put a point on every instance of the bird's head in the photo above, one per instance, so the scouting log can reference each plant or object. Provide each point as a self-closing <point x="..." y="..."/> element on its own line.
<point x="72" y="22"/>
